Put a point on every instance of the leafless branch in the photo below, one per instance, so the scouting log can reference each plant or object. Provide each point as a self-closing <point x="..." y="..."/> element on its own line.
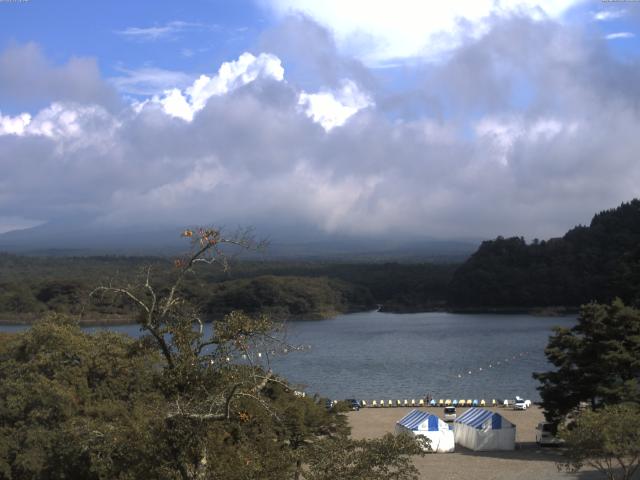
<point x="121" y="291"/>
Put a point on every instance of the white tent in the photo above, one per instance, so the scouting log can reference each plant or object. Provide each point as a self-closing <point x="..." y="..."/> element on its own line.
<point x="479" y="429"/>
<point x="429" y="426"/>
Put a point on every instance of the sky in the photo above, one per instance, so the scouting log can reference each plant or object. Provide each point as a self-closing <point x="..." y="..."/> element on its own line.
<point x="411" y="118"/>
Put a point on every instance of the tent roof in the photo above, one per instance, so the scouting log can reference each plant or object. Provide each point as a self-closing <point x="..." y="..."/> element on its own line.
<point x="415" y="418"/>
<point x="477" y="417"/>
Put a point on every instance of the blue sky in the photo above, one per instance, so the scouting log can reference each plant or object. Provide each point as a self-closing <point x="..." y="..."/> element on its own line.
<point x="91" y="29"/>
<point x="442" y="119"/>
<point x="196" y="37"/>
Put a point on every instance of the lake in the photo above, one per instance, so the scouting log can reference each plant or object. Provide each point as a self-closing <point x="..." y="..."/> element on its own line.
<point x="375" y="355"/>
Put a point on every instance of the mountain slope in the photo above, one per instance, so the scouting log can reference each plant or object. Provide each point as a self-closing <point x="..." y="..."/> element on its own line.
<point x="598" y="262"/>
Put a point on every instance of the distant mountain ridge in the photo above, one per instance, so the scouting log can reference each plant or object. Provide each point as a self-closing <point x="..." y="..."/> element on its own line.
<point x="589" y="263"/>
<point x="84" y="239"/>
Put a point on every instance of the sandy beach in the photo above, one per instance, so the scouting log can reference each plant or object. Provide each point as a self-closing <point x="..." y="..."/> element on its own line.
<point x="527" y="462"/>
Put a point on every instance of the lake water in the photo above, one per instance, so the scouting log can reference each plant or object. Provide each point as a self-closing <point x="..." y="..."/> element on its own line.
<point x="375" y="355"/>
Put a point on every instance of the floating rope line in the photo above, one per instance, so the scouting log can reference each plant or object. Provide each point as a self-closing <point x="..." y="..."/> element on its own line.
<point x="492" y="365"/>
<point x="236" y="356"/>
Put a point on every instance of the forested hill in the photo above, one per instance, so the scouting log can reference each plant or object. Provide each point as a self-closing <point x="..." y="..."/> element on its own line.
<point x="598" y="262"/>
<point x="33" y="286"/>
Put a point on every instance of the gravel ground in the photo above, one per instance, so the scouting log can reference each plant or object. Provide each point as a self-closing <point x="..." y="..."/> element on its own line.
<point x="527" y="462"/>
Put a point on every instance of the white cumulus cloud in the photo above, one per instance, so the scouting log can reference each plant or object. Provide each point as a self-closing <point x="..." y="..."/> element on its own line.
<point x="14" y="125"/>
<point x="333" y="109"/>
<point x="420" y="161"/>
<point x="379" y="32"/>
<point x="231" y="75"/>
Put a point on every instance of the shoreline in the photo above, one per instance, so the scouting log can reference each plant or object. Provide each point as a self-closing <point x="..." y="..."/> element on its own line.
<point x="118" y="320"/>
<point x="114" y="320"/>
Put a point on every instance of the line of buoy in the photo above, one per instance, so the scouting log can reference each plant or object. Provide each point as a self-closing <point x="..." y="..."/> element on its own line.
<point x="272" y="353"/>
<point x="491" y="365"/>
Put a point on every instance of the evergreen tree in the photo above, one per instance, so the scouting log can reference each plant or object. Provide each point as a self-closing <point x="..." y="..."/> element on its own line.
<point x="598" y="262"/>
<point x="597" y="361"/>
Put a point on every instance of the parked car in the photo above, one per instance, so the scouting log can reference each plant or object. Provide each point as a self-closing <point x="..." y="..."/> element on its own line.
<point x="449" y="414"/>
<point x="520" y="404"/>
<point x="353" y="404"/>
<point x="546" y="435"/>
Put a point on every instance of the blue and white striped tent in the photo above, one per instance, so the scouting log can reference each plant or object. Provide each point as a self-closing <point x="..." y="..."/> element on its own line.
<point x="430" y="426"/>
<point x="417" y="420"/>
<point x="480" y="429"/>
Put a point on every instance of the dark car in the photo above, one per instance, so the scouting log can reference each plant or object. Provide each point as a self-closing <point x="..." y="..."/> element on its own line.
<point x="353" y="404"/>
<point x="449" y="413"/>
<point x="546" y="435"/>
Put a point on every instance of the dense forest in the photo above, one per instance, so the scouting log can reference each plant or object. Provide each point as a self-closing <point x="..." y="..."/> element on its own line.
<point x="589" y="263"/>
<point x="31" y="286"/>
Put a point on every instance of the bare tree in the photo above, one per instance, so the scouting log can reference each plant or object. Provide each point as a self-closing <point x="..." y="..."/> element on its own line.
<point x="206" y="373"/>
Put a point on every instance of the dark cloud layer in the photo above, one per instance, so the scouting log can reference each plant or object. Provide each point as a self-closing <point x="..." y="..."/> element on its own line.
<point x="26" y="74"/>
<point x="478" y="161"/>
<point x="298" y="40"/>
